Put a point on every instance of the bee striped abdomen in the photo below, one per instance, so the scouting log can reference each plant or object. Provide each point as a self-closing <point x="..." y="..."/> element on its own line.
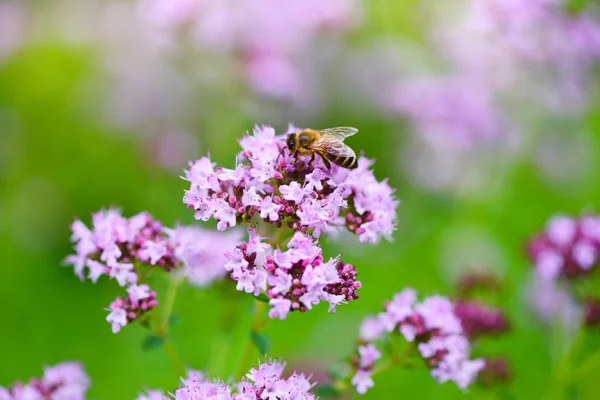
<point x="346" y="162"/>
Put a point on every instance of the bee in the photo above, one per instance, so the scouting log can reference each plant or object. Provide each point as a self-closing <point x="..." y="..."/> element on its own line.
<point x="328" y="143"/>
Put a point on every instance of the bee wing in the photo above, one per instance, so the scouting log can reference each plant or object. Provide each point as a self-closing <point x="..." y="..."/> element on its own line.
<point x="333" y="146"/>
<point x="341" y="132"/>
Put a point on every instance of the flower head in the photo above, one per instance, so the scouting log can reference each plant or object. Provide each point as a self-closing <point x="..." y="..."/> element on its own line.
<point x="122" y="247"/>
<point x="295" y="192"/>
<point x="432" y="326"/>
<point x="295" y="279"/>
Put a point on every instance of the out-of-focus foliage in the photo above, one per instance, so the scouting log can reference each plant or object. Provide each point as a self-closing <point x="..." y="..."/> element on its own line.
<point x="98" y="108"/>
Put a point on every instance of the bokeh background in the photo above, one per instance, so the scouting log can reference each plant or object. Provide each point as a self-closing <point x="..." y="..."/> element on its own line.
<point x="483" y="114"/>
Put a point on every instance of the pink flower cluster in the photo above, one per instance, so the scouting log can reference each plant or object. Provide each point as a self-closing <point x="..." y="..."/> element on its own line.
<point x="266" y="37"/>
<point x="66" y="380"/>
<point x="295" y="279"/>
<point x="296" y="193"/>
<point x="432" y="325"/>
<point x="568" y="248"/>
<point x="264" y="382"/>
<point x="118" y="247"/>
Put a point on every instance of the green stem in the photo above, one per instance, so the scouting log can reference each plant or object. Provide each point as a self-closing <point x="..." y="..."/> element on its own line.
<point x="255" y="326"/>
<point x="161" y="327"/>
<point x="174" y="358"/>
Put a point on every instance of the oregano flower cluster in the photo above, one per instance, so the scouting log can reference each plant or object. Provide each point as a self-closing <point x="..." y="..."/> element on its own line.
<point x="568" y="248"/>
<point x="124" y="249"/>
<point x="275" y="187"/>
<point x="434" y="329"/>
<point x="293" y="280"/>
<point x="264" y="382"/>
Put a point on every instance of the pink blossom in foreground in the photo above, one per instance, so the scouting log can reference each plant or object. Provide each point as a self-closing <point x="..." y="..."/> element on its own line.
<point x="64" y="381"/>
<point x="568" y="248"/>
<point x="432" y="325"/>
<point x="295" y="279"/>
<point x="122" y="247"/>
<point x="264" y="382"/>
<point x="298" y="194"/>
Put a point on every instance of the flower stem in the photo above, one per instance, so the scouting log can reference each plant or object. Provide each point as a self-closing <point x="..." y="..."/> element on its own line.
<point x="162" y="326"/>
<point x="258" y="322"/>
<point x="174" y="358"/>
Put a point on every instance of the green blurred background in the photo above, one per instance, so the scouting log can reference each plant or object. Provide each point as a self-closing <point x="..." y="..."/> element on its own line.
<point x="59" y="160"/>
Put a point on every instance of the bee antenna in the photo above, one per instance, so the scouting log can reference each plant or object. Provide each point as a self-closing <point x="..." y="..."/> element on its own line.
<point x="280" y="153"/>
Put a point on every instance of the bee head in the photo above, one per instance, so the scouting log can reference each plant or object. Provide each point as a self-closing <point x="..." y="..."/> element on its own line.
<point x="290" y="143"/>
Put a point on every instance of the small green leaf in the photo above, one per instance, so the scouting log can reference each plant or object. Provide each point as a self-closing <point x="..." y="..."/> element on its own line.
<point x="263" y="297"/>
<point x="326" y="390"/>
<point x="261" y="341"/>
<point x="174" y="319"/>
<point x="152" y="342"/>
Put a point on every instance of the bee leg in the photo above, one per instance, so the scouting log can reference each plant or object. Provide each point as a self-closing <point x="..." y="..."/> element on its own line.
<point x="326" y="162"/>
<point x="312" y="158"/>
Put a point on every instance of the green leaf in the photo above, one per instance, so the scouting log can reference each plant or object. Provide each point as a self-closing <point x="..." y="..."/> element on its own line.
<point x="263" y="297"/>
<point x="152" y="342"/>
<point x="326" y="390"/>
<point x="261" y="341"/>
<point x="174" y="319"/>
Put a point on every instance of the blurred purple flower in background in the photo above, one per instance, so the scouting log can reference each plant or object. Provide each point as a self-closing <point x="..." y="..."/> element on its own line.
<point x="451" y="113"/>
<point x="542" y="40"/>
<point x="553" y="303"/>
<point x="12" y="27"/>
<point x="568" y="248"/>
<point x="478" y="319"/>
<point x="268" y="37"/>
<point x="66" y="380"/>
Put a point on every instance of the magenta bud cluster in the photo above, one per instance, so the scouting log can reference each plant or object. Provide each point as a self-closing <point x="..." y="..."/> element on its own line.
<point x="478" y="319"/>
<point x="568" y="248"/>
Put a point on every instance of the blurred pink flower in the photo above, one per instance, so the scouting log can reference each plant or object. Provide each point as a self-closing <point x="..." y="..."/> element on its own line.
<point x="568" y="248"/>
<point x="66" y="380"/>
